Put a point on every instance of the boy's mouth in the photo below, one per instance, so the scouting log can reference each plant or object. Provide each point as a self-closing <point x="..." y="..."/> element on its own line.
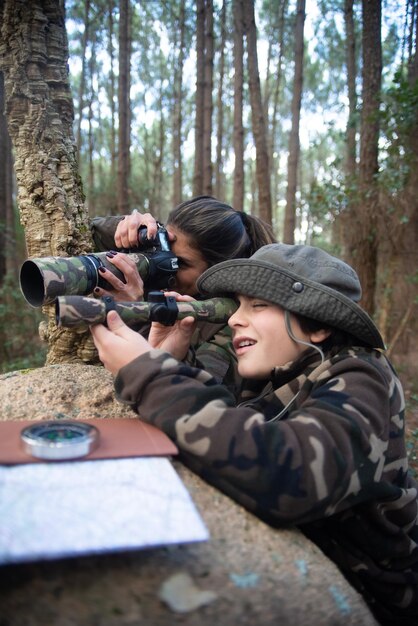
<point x="241" y="343"/>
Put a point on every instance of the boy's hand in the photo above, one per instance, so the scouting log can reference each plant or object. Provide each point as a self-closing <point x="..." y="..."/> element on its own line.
<point x="174" y="339"/>
<point x="117" y="344"/>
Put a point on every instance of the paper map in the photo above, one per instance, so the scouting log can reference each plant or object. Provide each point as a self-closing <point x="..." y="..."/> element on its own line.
<point x="54" y="510"/>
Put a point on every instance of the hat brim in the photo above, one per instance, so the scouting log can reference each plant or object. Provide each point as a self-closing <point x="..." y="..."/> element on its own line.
<point x="259" y="279"/>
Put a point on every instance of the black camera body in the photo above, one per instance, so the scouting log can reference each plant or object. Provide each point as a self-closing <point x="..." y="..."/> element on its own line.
<point x="163" y="263"/>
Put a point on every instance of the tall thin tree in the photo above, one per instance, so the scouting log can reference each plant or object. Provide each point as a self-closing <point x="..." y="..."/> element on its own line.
<point x="364" y="247"/>
<point x="200" y="98"/>
<point x="177" y="108"/>
<point x="294" y="141"/>
<point x="258" y="120"/>
<point x="351" y="161"/>
<point x="341" y="222"/>
<point x="219" y="174"/>
<point x="238" y="139"/>
<point x="112" y="90"/>
<point x="208" y="100"/>
<point x="82" y="85"/>
<point x="124" y="135"/>
<point x="40" y="118"/>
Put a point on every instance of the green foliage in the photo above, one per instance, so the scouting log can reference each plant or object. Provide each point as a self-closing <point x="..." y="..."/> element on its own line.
<point x="20" y="346"/>
<point x="398" y="124"/>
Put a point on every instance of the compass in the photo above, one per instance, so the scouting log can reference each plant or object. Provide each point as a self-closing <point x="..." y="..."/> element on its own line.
<point x="59" y="440"/>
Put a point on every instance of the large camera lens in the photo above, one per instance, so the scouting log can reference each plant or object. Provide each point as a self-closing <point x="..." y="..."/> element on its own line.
<point x="43" y="280"/>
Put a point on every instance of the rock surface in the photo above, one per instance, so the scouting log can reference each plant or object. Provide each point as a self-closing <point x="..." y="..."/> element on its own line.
<point x="247" y="573"/>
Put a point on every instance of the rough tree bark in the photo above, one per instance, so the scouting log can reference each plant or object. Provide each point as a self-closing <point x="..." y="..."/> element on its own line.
<point x="8" y="255"/>
<point x="40" y="115"/>
<point x="362" y="236"/>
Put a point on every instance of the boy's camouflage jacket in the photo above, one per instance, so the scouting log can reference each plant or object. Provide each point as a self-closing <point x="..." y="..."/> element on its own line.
<point x="322" y="448"/>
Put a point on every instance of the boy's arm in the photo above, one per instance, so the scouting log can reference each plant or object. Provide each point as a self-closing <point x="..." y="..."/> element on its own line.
<point x="314" y="463"/>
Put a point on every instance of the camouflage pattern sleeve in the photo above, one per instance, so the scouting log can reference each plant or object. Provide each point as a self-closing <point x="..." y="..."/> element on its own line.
<point x="311" y="464"/>
<point x="103" y="231"/>
<point x="322" y="448"/>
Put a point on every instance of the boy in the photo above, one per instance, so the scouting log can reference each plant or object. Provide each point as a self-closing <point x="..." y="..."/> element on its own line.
<point x="322" y="444"/>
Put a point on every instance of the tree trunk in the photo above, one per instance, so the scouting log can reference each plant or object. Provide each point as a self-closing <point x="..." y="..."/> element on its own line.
<point x="157" y="174"/>
<point x="82" y="85"/>
<point x="92" y="96"/>
<point x="351" y="163"/>
<point x="238" y="193"/>
<point x="294" y="143"/>
<point x="124" y="108"/>
<point x="111" y="92"/>
<point x="342" y="221"/>
<point x="257" y="116"/>
<point x="7" y="231"/>
<point x="364" y="229"/>
<point x="199" y="100"/>
<point x="40" y="115"/>
<point x="177" y="112"/>
<point x="219" y="174"/>
<point x="208" y="100"/>
<point x="278" y="79"/>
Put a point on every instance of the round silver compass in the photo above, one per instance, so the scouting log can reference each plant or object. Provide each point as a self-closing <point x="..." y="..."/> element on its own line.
<point x="59" y="440"/>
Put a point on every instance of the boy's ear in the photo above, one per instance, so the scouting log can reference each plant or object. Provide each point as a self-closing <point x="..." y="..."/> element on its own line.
<point x="319" y="335"/>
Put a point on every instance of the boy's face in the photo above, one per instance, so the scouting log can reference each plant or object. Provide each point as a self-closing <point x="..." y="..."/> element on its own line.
<point x="261" y="341"/>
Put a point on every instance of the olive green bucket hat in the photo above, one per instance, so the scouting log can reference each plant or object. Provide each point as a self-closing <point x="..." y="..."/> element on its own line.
<point x="301" y="279"/>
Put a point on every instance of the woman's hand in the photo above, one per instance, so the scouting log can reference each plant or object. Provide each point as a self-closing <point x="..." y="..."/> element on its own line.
<point x="126" y="234"/>
<point x="174" y="339"/>
<point x="132" y="290"/>
<point x="117" y="344"/>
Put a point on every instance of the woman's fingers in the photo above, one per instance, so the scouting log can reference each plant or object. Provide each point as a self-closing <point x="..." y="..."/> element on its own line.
<point x="126" y="234"/>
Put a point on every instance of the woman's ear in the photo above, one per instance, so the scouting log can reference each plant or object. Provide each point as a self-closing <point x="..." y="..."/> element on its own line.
<point x="318" y="336"/>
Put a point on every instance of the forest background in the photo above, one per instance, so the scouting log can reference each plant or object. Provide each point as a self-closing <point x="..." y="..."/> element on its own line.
<point x="302" y="112"/>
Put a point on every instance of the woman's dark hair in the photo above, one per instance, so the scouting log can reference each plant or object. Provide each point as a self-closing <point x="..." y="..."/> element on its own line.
<point x="218" y="231"/>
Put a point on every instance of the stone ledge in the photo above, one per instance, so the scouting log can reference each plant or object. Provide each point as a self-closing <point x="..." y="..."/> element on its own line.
<point x="260" y="575"/>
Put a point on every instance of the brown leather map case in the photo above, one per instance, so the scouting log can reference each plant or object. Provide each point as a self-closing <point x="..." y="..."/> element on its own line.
<point x="119" y="438"/>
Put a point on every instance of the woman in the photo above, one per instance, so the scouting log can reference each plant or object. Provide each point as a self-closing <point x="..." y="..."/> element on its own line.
<point x="202" y="231"/>
<point x="322" y="446"/>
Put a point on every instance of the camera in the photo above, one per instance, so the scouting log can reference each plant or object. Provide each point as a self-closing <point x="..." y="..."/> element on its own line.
<point x="43" y="280"/>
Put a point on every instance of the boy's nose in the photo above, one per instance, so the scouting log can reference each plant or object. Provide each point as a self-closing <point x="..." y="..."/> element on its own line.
<point x="235" y="319"/>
